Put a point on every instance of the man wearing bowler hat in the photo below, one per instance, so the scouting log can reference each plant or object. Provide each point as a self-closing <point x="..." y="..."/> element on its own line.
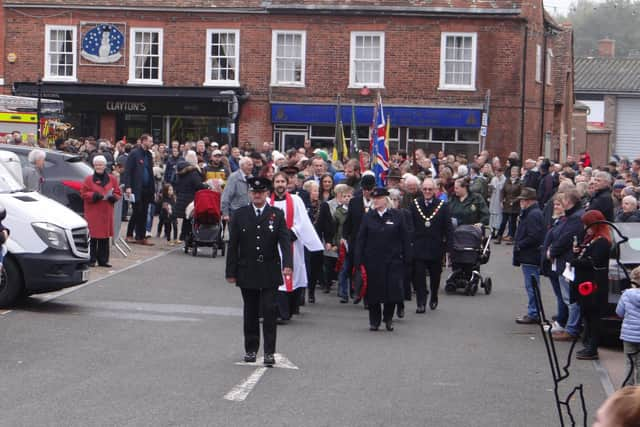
<point x="526" y="251"/>
<point x="254" y="265"/>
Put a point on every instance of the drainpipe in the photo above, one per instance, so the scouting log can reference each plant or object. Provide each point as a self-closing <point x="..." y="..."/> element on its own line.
<point x="544" y="88"/>
<point x="523" y="91"/>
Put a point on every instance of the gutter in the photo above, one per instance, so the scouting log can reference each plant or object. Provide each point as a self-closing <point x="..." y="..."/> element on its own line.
<point x="256" y="10"/>
<point x="523" y="92"/>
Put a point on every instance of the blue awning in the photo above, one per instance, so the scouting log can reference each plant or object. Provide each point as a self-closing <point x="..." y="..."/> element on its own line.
<point x="400" y="116"/>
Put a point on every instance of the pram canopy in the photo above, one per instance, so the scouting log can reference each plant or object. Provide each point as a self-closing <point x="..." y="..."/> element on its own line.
<point x="467" y="237"/>
<point x="206" y="207"/>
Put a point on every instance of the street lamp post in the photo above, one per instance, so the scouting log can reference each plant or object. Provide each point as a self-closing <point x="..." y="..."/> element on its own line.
<point x="39" y="84"/>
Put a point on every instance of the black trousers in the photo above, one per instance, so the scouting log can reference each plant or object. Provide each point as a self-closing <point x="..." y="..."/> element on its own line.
<point x="257" y="301"/>
<point x="329" y="271"/>
<point x="99" y="251"/>
<point x="512" y="219"/>
<point x="420" y="269"/>
<point x="315" y="271"/>
<point x="288" y="303"/>
<point x="185" y="229"/>
<point x="140" y="210"/>
<point x="592" y="329"/>
<point x="377" y="313"/>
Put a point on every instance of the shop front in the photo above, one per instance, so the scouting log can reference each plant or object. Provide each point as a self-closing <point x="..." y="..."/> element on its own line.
<point x="455" y="130"/>
<point x="117" y="112"/>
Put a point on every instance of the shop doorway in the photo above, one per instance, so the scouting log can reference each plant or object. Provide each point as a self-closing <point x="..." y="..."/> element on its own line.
<point x="292" y="140"/>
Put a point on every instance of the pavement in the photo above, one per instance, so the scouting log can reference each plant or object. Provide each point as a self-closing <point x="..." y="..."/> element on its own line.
<point x="159" y="342"/>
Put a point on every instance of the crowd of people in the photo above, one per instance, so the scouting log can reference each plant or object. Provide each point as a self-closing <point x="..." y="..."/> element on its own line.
<point x="378" y="243"/>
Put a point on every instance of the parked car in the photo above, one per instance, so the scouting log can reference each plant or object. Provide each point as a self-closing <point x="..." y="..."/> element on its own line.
<point x="63" y="175"/>
<point x="48" y="248"/>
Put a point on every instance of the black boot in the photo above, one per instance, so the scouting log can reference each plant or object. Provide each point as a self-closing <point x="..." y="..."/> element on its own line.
<point x="433" y="304"/>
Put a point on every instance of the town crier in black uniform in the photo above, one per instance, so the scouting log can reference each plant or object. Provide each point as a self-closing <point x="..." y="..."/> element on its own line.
<point x="254" y="265"/>
<point x="432" y="230"/>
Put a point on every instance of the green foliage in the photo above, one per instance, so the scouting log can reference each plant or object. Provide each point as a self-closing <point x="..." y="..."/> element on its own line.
<point x="615" y="19"/>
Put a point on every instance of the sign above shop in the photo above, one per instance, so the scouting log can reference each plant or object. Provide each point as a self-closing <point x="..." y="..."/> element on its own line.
<point x="126" y="106"/>
<point x="103" y="44"/>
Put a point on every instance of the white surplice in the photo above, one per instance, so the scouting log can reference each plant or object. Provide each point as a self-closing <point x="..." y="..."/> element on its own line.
<point x="306" y="238"/>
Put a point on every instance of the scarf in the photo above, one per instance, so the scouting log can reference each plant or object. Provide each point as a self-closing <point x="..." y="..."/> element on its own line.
<point x="101" y="179"/>
<point x="288" y="279"/>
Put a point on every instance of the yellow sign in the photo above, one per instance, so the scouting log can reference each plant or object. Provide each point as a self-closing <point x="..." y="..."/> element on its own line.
<point x="19" y="118"/>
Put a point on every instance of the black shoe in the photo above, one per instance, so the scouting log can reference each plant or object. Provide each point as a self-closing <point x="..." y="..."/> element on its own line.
<point x="526" y="320"/>
<point x="587" y="354"/>
<point x="282" y="321"/>
<point x="92" y="264"/>
<point x="250" y="357"/>
<point x="357" y="300"/>
<point x="373" y="327"/>
<point x="421" y="309"/>
<point x="107" y="265"/>
<point x="433" y="304"/>
<point x="344" y="300"/>
<point x="269" y="360"/>
<point x="327" y="290"/>
<point x="400" y="312"/>
<point x="312" y="299"/>
<point x="389" y="325"/>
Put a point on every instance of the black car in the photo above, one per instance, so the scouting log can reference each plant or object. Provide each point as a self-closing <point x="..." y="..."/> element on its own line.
<point x="63" y="175"/>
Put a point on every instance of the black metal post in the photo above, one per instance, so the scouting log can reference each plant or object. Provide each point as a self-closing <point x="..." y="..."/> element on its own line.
<point x="39" y="84"/>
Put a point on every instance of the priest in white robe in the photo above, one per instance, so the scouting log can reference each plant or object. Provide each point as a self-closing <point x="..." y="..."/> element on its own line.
<point x="303" y="235"/>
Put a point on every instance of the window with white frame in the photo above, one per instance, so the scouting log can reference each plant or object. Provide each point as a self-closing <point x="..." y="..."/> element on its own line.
<point x="145" y="56"/>
<point x="223" y="50"/>
<point x="366" y="59"/>
<point x="60" y="53"/>
<point x="288" y="58"/>
<point x="548" y="68"/>
<point x="539" y="63"/>
<point x="458" y="61"/>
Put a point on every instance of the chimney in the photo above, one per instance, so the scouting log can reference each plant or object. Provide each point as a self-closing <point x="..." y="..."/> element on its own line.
<point x="606" y="48"/>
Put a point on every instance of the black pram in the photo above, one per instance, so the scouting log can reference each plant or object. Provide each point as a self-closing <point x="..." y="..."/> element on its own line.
<point x="470" y="249"/>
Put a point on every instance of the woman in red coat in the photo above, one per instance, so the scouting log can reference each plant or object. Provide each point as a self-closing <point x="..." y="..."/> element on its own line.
<point x="99" y="192"/>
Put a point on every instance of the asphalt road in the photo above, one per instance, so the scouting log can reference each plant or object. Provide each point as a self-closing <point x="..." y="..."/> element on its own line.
<point x="157" y="345"/>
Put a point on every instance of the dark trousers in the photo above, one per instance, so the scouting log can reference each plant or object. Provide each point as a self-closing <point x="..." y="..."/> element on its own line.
<point x="377" y="313"/>
<point x="329" y="271"/>
<point x="99" y="251"/>
<point x="169" y="225"/>
<point x="140" y="210"/>
<point x="420" y="269"/>
<point x="512" y="219"/>
<point x="185" y="229"/>
<point x="288" y="303"/>
<point x="315" y="271"/>
<point x="592" y="329"/>
<point x="258" y="301"/>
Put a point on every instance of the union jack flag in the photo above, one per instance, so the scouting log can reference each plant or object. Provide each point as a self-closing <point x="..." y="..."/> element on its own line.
<point x="380" y="154"/>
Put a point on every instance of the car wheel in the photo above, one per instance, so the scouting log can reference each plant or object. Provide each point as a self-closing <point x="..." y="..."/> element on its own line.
<point x="11" y="283"/>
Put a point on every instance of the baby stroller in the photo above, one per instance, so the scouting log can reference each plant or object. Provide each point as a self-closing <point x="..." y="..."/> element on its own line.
<point x="206" y="229"/>
<point x="469" y="250"/>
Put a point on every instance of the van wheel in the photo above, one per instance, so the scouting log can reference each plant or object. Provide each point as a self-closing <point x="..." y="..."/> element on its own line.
<point x="11" y="284"/>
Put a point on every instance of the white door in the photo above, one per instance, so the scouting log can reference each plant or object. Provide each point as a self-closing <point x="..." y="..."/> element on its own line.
<point x="628" y="128"/>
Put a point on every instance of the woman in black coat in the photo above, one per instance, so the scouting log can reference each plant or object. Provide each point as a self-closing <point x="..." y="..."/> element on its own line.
<point x="383" y="248"/>
<point x="188" y="180"/>
<point x="591" y="264"/>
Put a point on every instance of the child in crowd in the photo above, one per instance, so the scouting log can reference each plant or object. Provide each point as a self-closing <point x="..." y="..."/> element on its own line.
<point x="629" y="309"/>
<point x="167" y="213"/>
<point x="344" y="193"/>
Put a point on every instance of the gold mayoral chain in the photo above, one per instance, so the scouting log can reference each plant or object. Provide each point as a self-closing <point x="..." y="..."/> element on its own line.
<point x="427" y="221"/>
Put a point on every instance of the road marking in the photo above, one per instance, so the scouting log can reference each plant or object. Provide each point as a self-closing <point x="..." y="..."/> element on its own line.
<point x="4" y="312"/>
<point x="142" y="316"/>
<point x="605" y="379"/>
<point x="163" y="308"/>
<point x="241" y="391"/>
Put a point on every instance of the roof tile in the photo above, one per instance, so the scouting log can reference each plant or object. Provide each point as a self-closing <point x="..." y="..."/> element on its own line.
<point x="607" y="75"/>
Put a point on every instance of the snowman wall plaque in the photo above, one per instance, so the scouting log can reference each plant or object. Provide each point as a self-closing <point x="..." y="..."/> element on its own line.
<point x="102" y="44"/>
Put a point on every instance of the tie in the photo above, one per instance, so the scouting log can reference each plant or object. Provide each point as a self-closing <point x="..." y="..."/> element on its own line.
<point x="258" y="212"/>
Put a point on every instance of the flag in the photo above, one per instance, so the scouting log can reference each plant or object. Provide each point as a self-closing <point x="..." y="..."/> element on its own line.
<point x="380" y="148"/>
<point x="340" y="150"/>
<point x="353" y="146"/>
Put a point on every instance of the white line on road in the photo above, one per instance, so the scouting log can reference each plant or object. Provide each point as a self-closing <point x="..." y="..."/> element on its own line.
<point x="605" y="379"/>
<point x="240" y="392"/>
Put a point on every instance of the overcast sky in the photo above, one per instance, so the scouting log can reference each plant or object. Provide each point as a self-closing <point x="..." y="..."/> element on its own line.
<point x="560" y="6"/>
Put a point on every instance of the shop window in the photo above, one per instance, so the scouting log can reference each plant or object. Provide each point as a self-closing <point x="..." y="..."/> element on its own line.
<point x="223" y="47"/>
<point x="145" y="56"/>
<point x="469" y="135"/>
<point x="443" y="134"/>
<point x="467" y="150"/>
<point x="458" y="61"/>
<point x="288" y="58"/>
<point x="366" y="66"/>
<point x="60" y="53"/>
<point x="419" y="134"/>
<point x="323" y="131"/>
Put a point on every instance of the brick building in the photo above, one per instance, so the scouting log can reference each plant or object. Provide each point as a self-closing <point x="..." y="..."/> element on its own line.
<point x="183" y="68"/>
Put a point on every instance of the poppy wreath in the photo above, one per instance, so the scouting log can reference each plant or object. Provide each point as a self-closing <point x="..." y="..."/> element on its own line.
<point x="586" y="289"/>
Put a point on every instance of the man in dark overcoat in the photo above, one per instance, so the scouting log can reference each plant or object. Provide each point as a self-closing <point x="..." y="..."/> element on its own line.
<point x="254" y="265"/>
<point x="139" y="181"/>
<point x="432" y="231"/>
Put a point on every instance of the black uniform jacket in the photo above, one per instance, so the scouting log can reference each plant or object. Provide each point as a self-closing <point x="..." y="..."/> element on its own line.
<point x="253" y="258"/>
<point x="430" y="243"/>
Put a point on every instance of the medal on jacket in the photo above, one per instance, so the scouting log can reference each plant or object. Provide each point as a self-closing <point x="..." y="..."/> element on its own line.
<point x="427" y="221"/>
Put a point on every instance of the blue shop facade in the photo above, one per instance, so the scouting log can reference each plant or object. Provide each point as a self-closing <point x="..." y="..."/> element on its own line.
<point x="455" y="130"/>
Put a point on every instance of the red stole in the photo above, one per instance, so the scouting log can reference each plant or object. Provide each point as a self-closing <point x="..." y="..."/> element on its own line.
<point x="288" y="279"/>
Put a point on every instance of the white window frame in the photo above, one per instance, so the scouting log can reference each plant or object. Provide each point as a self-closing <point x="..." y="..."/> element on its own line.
<point x="549" y="68"/>
<point x="474" y="62"/>
<point x="132" y="50"/>
<point x="538" y="63"/>
<point x="47" y="59"/>
<point x="274" y="51"/>
<point x="208" y="81"/>
<point x="352" y="58"/>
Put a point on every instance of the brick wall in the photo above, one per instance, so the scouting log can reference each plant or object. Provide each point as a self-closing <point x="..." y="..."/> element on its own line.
<point x="412" y="62"/>
<point x="3" y="56"/>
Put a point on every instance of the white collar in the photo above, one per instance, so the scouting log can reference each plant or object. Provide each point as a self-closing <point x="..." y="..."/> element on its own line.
<point x="381" y="213"/>
<point x="255" y="208"/>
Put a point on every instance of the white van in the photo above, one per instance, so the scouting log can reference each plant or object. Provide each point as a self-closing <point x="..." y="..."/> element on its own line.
<point x="48" y="248"/>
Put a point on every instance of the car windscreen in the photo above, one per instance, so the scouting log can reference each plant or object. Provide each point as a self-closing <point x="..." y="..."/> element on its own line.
<point x="7" y="183"/>
<point x="79" y="165"/>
